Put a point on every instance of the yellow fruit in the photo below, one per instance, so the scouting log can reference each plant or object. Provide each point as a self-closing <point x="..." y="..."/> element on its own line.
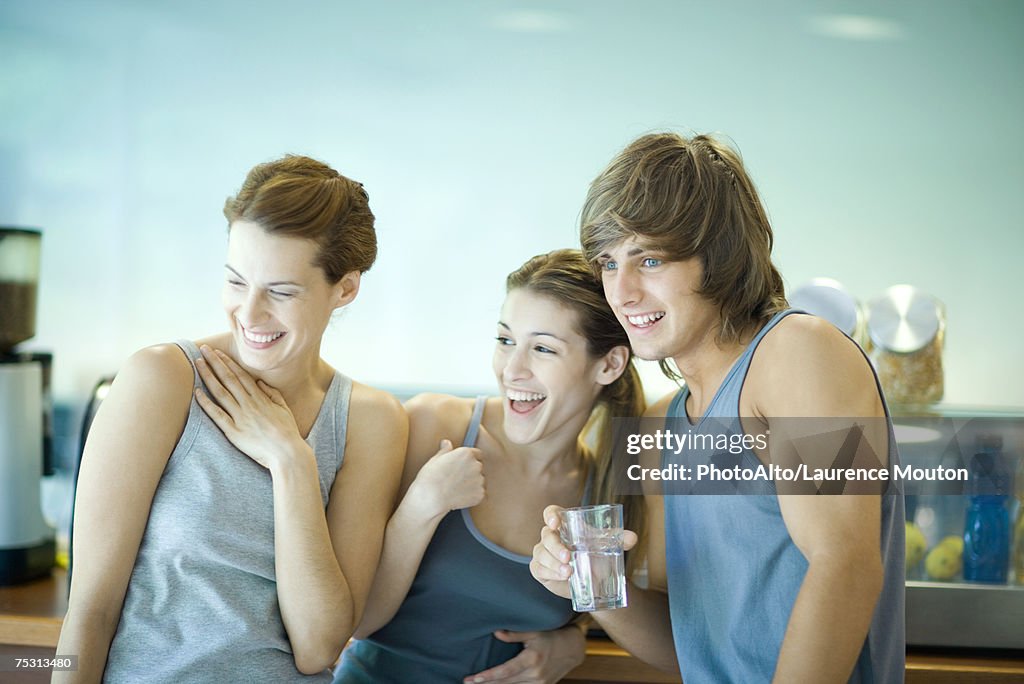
<point x="956" y="543"/>
<point x="943" y="562"/>
<point x="916" y="545"/>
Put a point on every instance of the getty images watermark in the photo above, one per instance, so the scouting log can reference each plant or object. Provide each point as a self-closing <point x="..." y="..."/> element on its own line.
<point x="807" y="456"/>
<point x="775" y="473"/>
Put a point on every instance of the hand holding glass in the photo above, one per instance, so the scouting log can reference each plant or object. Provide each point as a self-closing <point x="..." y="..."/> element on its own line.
<point x="593" y="535"/>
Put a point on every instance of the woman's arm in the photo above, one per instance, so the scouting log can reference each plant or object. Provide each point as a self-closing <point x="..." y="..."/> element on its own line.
<point x="324" y="560"/>
<point x="433" y="484"/>
<point x="324" y="612"/>
<point x="130" y="440"/>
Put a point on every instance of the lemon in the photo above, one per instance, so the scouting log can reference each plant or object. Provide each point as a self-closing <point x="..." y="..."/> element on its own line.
<point x="954" y="542"/>
<point x="943" y="562"/>
<point x="916" y="545"/>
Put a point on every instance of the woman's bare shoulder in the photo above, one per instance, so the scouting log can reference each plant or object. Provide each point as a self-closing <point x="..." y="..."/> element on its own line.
<point x="369" y="398"/>
<point x="164" y="367"/>
<point x="435" y="416"/>
<point x="147" y="405"/>
<point x="374" y="408"/>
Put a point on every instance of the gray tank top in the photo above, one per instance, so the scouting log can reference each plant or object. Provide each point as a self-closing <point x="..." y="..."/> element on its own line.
<point x="466" y="588"/>
<point x="201" y="604"/>
<point x="734" y="572"/>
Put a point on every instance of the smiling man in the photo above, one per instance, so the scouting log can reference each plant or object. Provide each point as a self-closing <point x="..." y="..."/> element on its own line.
<point x="768" y="584"/>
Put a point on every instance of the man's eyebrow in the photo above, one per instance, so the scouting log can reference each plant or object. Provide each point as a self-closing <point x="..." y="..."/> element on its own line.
<point x="639" y="249"/>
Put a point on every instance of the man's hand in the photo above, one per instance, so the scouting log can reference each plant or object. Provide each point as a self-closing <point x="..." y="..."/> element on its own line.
<point x="546" y="657"/>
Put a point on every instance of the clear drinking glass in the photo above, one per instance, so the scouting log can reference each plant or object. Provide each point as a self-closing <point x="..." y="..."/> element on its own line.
<point x="593" y="535"/>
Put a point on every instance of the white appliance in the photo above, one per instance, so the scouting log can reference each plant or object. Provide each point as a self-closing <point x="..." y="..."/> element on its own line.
<point x="27" y="547"/>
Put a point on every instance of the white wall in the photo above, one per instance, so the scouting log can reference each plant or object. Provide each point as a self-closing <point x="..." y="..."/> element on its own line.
<point x="886" y="152"/>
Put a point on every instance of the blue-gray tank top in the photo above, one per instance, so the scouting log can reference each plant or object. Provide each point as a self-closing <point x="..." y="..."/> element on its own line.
<point x="734" y="572"/>
<point x="466" y="588"/>
<point x="201" y="604"/>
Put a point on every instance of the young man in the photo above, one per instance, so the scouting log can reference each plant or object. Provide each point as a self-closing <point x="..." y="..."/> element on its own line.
<point x="746" y="588"/>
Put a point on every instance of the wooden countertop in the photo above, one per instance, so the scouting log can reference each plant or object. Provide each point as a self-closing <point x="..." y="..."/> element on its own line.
<point x="31" y="615"/>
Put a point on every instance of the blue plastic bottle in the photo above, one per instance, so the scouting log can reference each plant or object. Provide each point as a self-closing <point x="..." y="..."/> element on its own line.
<point x="987" y="524"/>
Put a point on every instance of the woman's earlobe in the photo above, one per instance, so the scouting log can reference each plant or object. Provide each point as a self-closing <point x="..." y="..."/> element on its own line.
<point x="613" y="365"/>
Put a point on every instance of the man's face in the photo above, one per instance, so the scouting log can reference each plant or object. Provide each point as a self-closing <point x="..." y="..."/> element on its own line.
<point x="656" y="300"/>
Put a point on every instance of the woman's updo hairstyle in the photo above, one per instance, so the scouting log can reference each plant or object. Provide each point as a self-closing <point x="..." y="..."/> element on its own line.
<point x="301" y="197"/>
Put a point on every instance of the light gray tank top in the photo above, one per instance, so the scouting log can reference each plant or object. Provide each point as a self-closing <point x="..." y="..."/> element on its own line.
<point x="201" y="604"/>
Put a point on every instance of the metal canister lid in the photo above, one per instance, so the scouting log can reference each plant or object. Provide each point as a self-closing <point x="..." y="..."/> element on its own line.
<point x="828" y="299"/>
<point x="904" y="319"/>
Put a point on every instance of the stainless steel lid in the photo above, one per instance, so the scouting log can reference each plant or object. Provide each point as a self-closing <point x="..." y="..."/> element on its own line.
<point x="904" y="319"/>
<point x="829" y="299"/>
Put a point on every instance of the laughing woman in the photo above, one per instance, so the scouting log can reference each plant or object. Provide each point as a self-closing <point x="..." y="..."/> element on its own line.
<point x="211" y="546"/>
<point x="453" y="598"/>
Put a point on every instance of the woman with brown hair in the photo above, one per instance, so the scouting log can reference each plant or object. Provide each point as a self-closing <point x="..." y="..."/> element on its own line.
<point x="215" y="541"/>
<point x="453" y="598"/>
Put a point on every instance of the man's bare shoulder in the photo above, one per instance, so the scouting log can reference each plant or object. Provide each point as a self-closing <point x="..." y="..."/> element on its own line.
<point x="803" y="336"/>
<point x="806" y="363"/>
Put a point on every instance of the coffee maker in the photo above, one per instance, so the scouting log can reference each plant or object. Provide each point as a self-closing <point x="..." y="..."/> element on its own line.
<point x="27" y="546"/>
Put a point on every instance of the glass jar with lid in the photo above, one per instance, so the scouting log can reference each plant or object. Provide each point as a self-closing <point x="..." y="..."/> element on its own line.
<point x="906" y="334"/>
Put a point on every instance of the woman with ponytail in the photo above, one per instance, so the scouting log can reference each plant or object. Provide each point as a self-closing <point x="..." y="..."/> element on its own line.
<point x="453" y="599"/>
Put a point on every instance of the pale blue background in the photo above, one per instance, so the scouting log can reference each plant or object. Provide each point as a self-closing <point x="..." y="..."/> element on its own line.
<point x="887" y="145"/>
